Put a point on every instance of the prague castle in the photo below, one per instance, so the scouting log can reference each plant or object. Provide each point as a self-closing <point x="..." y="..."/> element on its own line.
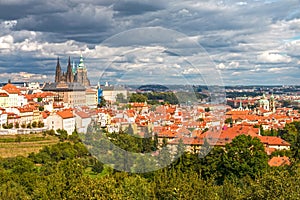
<point x="74" y="74"/>
<point x="70" y="87"/>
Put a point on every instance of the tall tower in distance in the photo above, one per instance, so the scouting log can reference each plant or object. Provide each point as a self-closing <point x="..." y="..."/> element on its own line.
<point x="81" y="74"/>
<point x="74" y="74"/>
<point x="58" y="72"/>
<point x="272" y="104"/>
<point x="70" y="76"/>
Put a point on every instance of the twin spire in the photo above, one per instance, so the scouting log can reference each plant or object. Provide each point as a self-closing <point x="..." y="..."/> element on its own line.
<point x="73" y="74"/>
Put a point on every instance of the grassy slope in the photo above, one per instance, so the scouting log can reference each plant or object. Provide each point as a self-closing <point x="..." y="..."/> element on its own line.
<point x="10" y="147"/>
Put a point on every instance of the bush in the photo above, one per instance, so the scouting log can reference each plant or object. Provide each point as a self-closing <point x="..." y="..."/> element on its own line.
<point x="63" y="134"/>
<point x="10" y="125"/>
<point x="97" y="167"/>
<point x="40" y="124"/>
<point x="28" y="125"/>
<point x="34" y="124"/>
<point x="17" y="125"/>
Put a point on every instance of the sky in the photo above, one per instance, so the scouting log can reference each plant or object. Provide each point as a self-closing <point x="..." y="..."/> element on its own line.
<point x="255" y="42"/>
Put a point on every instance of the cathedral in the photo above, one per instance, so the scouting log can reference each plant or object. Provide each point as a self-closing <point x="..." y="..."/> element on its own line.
<point x="74" y="74"/>
<point x="69" y="87"/>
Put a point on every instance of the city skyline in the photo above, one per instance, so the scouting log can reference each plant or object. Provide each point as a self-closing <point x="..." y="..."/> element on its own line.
<point x="248" y="42"/>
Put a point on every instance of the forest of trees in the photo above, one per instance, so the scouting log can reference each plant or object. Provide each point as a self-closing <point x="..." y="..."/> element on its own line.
<point x="165" y="97"/>
<point x="67" y="170"/>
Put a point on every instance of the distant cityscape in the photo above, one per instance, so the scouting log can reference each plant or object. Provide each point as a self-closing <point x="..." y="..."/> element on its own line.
<point x="173" y="112"/>
<point x="145" y="100"/>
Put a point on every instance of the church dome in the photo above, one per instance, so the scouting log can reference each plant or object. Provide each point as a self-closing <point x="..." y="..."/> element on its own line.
<point x="263" y="100"/>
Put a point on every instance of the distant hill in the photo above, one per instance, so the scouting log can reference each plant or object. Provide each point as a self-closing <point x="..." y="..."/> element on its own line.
<point x="153" y="88"/>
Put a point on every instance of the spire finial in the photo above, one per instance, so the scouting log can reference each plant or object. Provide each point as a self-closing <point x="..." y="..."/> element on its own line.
<point x="81" y="64"/>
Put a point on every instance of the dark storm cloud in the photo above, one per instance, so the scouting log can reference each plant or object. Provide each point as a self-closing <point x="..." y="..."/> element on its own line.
<point x="236" y="35"/>
<point x="21" y="9"/>
<point x="137" y="7"/>
<point x="80" y="19"/>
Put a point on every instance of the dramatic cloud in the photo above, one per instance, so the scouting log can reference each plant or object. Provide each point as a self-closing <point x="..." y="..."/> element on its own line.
<point x="272" y="57"/>
<point x="250" y="42"/>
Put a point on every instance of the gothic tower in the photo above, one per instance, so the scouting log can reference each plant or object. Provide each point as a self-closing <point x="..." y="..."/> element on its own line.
<point x="272" y="104"/>
<point x="70" y="76"/>
<point x="58" y="72"/>
<point x="81" y="74"/>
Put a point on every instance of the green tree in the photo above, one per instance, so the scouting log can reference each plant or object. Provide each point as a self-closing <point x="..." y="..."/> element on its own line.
<point x="228" y="120"/>
<point x="147" y="141"/>
<point x="23" y="125"/>
<point x="74" y="137"/>
<point x="62" y="134"/>
<point x="165" y="156"/>
<point x="97" y="167"/>
<point x="180" y="149"/>
<point x="40" y="124"/>
<point x="22" y="165"/>
<point x="121" y="98"/>
<point x="34" y="124"/>
<point x="10" y="125"/>
<point x="12" y="190"/>
<point x="102" y="102"/>
<point x="17" y="125"/>
<point x="130" y="130"/>
<point x="155" y="142"/>
<point x="244" y="156"/>
<point x="135" y="97"/>
<point x="28" y="125"/>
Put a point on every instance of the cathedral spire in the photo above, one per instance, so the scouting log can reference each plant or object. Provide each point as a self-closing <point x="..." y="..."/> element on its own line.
<point x="57" y="72"/>
<point x="69" y="74"/>
<point x="74" y="68"/>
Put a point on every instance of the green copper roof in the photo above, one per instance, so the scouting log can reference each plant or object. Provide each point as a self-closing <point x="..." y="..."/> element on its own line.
<point x="74" y="68"/>
<point x="81" y="64"/>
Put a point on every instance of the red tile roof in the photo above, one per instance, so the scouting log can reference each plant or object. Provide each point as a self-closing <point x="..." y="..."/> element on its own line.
<point x="279" y="161"/>
<point x="3" y="94"/>
<point x="272" y="140"/>
<point x="11" y="89"/>
<point x="82" y="114"/>
<point x="65" y="114"/>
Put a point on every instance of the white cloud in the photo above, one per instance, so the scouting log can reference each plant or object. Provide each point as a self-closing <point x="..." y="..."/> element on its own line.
<point x="247" y="36"/>
<point x="236" y="73"/>
<point x="273" y="57"/>
<point x="23" y="76"/>
<point x="280" y="69"/>
<point x="221" y="66"/>
<point x="231" y="65"/>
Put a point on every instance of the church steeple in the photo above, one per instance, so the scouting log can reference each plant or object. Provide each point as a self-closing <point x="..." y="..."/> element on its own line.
<point x="70" y="77"/>
<point x="57" y="72"/>
<point x="81" y="73"/>
<point x="81" y="64"/>
<point x="74" y="68"/>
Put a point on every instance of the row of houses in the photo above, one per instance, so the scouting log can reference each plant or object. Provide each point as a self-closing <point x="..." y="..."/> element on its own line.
<point x="193" y="125"/>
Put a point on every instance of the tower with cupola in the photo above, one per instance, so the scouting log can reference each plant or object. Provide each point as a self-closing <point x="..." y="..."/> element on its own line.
<point x="74" y="74"/>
